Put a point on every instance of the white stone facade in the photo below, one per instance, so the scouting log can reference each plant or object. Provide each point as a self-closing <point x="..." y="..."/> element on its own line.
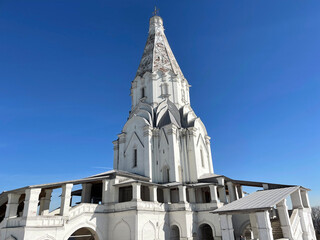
<point x="162" y="186"/>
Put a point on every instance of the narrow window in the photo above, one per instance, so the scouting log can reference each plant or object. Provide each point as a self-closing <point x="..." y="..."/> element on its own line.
<point x="142" y="92"/>
<point x="168" y="175"/>
<point x="202" y="161"/>
<point x="135" y="157"/>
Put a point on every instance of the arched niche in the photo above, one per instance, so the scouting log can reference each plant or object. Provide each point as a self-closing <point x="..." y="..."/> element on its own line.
<point x="205" y="232"/>
<point x="174" y="232"/>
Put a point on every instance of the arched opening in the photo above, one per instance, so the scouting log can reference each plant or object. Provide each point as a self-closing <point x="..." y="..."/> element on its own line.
<point x="247" y="232"/>
<point x="83" y="234"/>
<point x="174" y="233"/>
<point x="205" y="232"/>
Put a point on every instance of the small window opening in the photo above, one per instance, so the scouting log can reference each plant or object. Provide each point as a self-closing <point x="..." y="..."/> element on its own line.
<point x="135" y="157"/>
<point x="142" y="92"/>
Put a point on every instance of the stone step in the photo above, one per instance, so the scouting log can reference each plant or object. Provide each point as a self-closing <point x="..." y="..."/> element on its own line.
<point x="276" y="229"/>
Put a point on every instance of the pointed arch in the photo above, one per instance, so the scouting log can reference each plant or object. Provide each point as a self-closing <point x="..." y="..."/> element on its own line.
<point x="11" y="238"/>
<point x="134" y="136"/>
<point x="201" y="139"/>
<point x="149" y="231"/>
<point x="121" y="230"/>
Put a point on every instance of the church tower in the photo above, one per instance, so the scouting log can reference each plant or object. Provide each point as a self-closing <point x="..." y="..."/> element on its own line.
<point x="163" y="138"/>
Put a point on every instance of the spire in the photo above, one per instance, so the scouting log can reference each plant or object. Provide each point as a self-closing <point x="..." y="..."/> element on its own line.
<point x="157" y="53"/>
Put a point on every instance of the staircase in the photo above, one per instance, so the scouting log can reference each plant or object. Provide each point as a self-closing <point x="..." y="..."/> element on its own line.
<point x="276" y="228"/>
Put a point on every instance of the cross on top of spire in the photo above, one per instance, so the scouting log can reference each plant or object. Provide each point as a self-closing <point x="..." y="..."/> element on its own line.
<point x="156" y="11"/>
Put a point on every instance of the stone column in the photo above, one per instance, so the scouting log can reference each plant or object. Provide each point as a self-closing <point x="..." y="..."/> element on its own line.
<point x="284" y="219"/>
<point x="136" y="191"/>
<point x="182" y="194"/>
<point x="264" y="225"/>
<point x="45" y="202"/>
<point x="153" y="193"/>
<point x="12" y="205"/>
<point x="305" y="198"/>
<point x="226" y="227"/>
<point x="86" y="193"/>
<point x="222" y="194"/>
<point x="31" y="202"/>
<point x="240" y="192"/>
<point x="232" y="192"/>
<point x="166" y="195"/>
<point x="213" y="193"/>
<point x="296" y="199"/>
<point x="254" y="225"/>
<point x="65" y="199"/>
<point x="192" y="195"/>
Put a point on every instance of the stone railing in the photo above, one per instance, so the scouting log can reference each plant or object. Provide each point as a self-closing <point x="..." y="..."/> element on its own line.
<point x="37" y="221"/>
<point x="198" y="207"/>
<point x="85" y="208"/>
<point x="14" y="222"/>
<point x="135" y="205"/>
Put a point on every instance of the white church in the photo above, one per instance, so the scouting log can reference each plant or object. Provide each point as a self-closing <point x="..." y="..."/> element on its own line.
<point x="163" y="185"/>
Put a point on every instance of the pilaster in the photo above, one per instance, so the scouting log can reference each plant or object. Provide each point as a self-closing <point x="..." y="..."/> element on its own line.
<point x="207" y="139"/>
<point x="147" y="133"/>
<point x="174" y="153"/>
<point x="191" y="146"/>
<point x="226" y="227"/>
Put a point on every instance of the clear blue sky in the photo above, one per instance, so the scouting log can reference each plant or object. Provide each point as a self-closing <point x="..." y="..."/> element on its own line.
<point x="66" y="68"/>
